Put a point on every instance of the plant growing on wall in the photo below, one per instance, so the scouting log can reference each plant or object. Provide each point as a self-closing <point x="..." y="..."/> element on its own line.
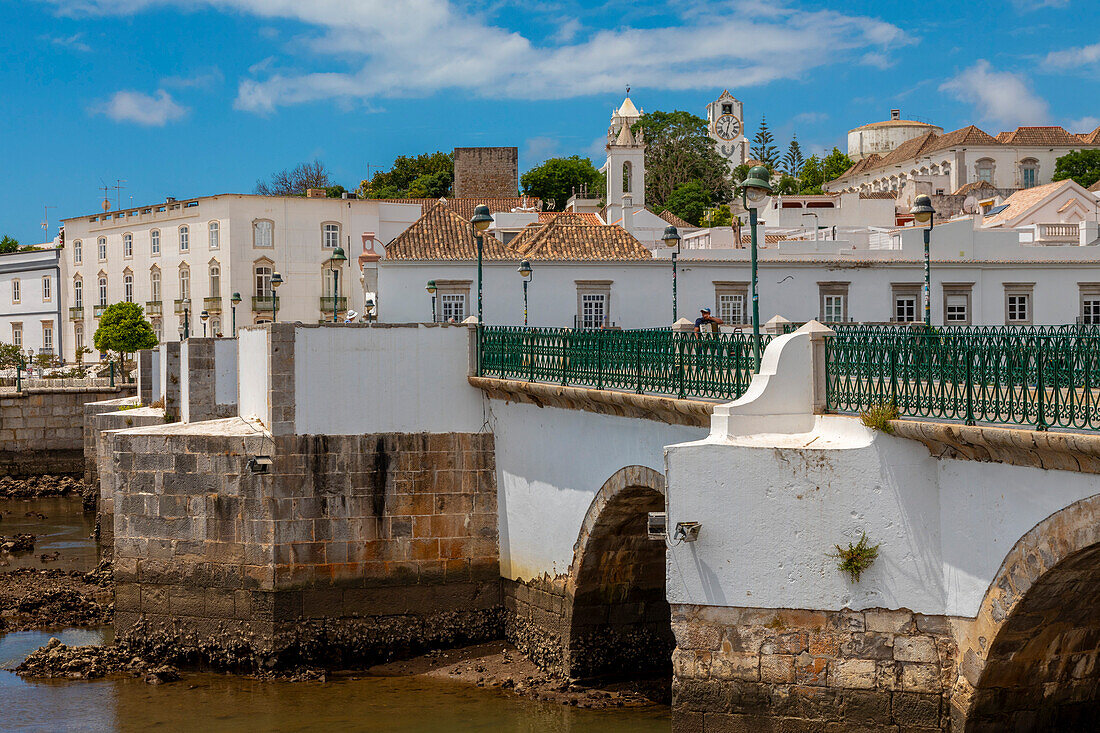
<point x="856" y="558"/>
<point x="879" y="417"/>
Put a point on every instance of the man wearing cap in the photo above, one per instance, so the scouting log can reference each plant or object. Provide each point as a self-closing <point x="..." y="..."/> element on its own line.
<point x="704" y="318"/>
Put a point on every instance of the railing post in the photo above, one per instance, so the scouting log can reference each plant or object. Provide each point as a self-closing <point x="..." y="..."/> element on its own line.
<point x="680" y="366"/>
<point x="111" y="370"/>
<point x="894" y="376"/>
<point x="969" y="384"/>
<point x="18" y="378"/>
<point x="599" y="359"/>
<point x="564" y="357"/>
<point x="638" y="361"/>
<point x="1039" y="377"/>
<point x="819" y="335"/>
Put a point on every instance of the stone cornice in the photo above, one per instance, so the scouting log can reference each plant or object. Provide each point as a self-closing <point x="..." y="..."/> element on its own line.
<point x="695" y="413"/>
<point x="1078" y="452"/>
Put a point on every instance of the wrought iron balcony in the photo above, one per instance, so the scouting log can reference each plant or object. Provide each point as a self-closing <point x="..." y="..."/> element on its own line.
<point x="97" y="311"/>
<point x="153" y="308"/>
<point x="262" y="303"/>
<point x="212" y="305"/>
<point x="179" y="306"/>
<point x="76" y="313"/>
<point x="326" y="303"/>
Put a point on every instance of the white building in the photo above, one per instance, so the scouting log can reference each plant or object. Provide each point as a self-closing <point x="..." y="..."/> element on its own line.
<point x="30" y="304"/>
<point x="203" y="250"/>
<point x="726" y="126"/>
<point x="880" y="138"/>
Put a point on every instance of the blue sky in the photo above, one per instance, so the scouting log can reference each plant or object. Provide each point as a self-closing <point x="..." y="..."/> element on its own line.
<point x="190" y="98"/>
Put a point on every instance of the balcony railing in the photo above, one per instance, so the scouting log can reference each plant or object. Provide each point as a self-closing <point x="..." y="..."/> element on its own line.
<point x="178" y="304"/>
<point x="153" y="308"/>
<point x="1058" y="232"/>
<point x="261" y="303"/>
<point x="213" y="305"/>
<point x="97" y="310"/>
<point x="326" y="303"/>
<point x="76" y="313"/>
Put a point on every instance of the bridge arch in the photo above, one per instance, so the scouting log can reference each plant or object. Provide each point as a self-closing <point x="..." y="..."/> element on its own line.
<point x="619" y="620"/>
<point x="1031" y="660"/>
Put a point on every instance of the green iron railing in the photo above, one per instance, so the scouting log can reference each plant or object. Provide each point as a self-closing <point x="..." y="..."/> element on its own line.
<point x="1042" y="376"/>
<point x="716" y="366"/>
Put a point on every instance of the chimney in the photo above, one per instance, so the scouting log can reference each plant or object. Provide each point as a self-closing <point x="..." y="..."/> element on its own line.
<point x="895" y="114"/>
<point x="316" y="193"/>
<point x="628" y="211"/>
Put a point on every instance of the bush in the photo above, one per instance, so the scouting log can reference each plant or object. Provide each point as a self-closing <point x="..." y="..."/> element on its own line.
<point x="856" y="558"/>
<point x="879" y="417"/>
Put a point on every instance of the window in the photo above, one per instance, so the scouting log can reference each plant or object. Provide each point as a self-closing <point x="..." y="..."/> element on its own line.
<point x="956" y="303"/>
<point x="985" y="168"/>
<point x="127" y="245"/>
<point x="730" y="299"/>
<point x="16" y="290"/>
<point x="47" y="288"/>
<point x="628" y="169"/>
<point x="727" y="108"/>
<point x="154" y="284"/>
<point x="101" y="249"/>
<point x="17" y="335"/>
<point x="215" y="327"/>
<point x="158" y="329"/>
<point x="78" y="293"/>
<point x="78" y="252"/>
<point x="214" y="232"/>
<point x="452" y="307"/>
<point x="330" y="236"/>
<point x="185" y="283"/>
<point x="154" y="242"/>
<point x="593" y="303"/>
<point x="1029" y="173"/>
<point x="1090" y="303"/>
<point x="103" y="291"/>
<point x="215" y="280"/>
<point x="78" y="336"/>
<point x="185" y="238"/>
<point x="263" y="281"/>
<point x="833" y="301"/>
<point x="1018" y="303"/>
<point x="263" y="233"/>
<point x="47" y="336"/>
<point x="906" y="298"/>
<point x="128" y="287"/>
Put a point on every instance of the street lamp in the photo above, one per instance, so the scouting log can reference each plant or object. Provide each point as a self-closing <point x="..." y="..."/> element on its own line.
<point x="204" y="317"/>
<point x="671" y="238"/>
<point x="337" y="260"/>
<point x="430" y="287"/>
<point x="276" y="281"/>
<point x="923" y="213"/>
<point x="754" y="194"/>
<point x="186" y="318"/>
<point x="524" y="271"/>
<point x="481" y="221"/>
<point x="234" y="302"/>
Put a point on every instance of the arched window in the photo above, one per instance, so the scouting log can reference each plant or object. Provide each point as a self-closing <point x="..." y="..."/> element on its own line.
<point x="185" y="238"/>
<point x="103" y="290"/>
<point x="263" y="281"/>
<point x="628" y="172"/>
<point x="214" y="228"/>
<point x="985" y="169"/>
<point x="154" y="242"/>
<point x="78" y="335"/>
<point x="215" y="271"/>
<point x="78" y="252"/>
<point x="154" y="284"/>
<point x="78" y="293"/>
<point x="127" y="245"/>
<point x="263" y="233"/>
<point x="185" y="282"/>
<point x="215" y="327"/>
<point x="101" y="248"/>
<point x="330" y="235"/>
<point x="158" y="329"/>
<point x="1029" y="173"/>
<point x="128" y="287"/>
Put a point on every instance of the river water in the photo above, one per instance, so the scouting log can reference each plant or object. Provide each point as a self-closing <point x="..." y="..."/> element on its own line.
<point x="212" y="703"/>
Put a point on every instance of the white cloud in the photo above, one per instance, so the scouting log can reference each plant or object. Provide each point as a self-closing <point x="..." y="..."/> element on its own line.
<point x="1085" y="124"/>
<point x="418" y="47"/>
<point x="538" y="149"/>
<point x="810" y="117"/>
<point x="998" y="96"/>
<point x="1073" y="57"/>
<point x="1039" y="4"/>
<point x="142" y="109"/>
<point x="72" y="42"/>
<point x="877" y="59"/>
<point x="199" y="80"/>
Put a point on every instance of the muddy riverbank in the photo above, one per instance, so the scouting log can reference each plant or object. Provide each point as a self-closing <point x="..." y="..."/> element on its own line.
<point x="32" y="599"/>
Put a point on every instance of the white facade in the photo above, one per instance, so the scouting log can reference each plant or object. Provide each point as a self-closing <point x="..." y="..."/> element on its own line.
<point x="208" y="248"/>
<point x="974" y="273"/>
<point x="625" y="165"/>
<point x="848" y="209"/>
<point x="726" y="126"/>
<point x="30" y="304"/>
<point x="882" y="137"/>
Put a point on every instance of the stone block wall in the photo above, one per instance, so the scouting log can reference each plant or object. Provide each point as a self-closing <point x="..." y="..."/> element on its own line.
<point x="768" y="669"/>
<point x="486" y="172"/>
<point x="90" y="437"/>
<point x="198" y="383"/>
<point x="104" y="467"/>
<point x="42" y="430"/>
<point x="351" y="549"/>
<point x="536" y="620"/>
<point x="170" y="386"/>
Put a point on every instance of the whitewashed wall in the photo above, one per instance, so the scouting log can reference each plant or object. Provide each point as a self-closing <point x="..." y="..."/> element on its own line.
<point x="253" y="375"/>
<point x="225" y="371"/>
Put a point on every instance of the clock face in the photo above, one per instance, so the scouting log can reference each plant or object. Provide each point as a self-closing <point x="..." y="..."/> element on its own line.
<point x="727" y="127"/>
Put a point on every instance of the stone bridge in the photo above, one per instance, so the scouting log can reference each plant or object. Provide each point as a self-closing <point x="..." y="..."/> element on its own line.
<point x="341" y="494"/>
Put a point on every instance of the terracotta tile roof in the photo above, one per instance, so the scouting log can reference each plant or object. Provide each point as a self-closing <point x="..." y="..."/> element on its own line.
<point x="768" y="238"/>
<point x="585" y="217"/>
<point x="974" y="187"/>
<point x="1049" y="135"/>
<point x="564" y="238"/>
<point x="675" y="220"/>
<point x="464" y="206"/>
<point x="969" y="135"/>
<point x="1091" y="138"/>
<point x="442" y="234"/>
<point x="1095" y="187"/>
<point x="1019" y="202"/>
<point x="878" y="195"/>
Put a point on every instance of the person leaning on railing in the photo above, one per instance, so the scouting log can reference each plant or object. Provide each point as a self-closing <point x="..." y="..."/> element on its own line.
<point x="705" y="319"/>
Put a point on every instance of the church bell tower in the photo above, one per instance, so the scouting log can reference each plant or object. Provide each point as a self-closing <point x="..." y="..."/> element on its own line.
<point x="625" y="166"/>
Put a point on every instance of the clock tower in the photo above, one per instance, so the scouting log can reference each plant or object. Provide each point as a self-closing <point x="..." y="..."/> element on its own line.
<point x="726" y="126"/>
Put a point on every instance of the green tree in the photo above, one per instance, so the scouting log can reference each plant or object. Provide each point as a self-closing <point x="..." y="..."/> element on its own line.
<point x="12" y="356"/>
<point x="124" y="329"/>
<point x="430" y="186"/>
<point x="718" y="216"/>
<point x="812" y="177"/>
<point x="835" y="164"/>
<point x="8" y="244"/>
<point x="793" y="160"/>
<point x="1083" y="166"/>
<point x="689" y="202"/>
<point x="295" y="181"/>
<point x="396" y="182"/>
<point x="763" y="148"/>
<point x="787" y="185"/>
<point x="678" y="150"/>
<point x="559" y="178"/>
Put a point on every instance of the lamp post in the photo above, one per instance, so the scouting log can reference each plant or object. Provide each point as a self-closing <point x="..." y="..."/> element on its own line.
<point x="430" y="287"/>
<point x="481" y="221"/>
<point x="524" y="271"/>
<point x="754" y="194"/>
<point x="233" y="303"/>
<point x="276" y="281"/>
<point x="337" y="260"/>
<point x="186" y="318"/>
<point x="204" y="317"/>
<point x="923" y="213"/>
<point x="671" y="238"/>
